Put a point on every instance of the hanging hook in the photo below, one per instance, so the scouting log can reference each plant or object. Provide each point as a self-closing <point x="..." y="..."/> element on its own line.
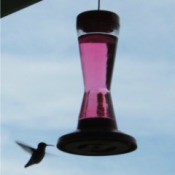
<point x="98" y="4"/>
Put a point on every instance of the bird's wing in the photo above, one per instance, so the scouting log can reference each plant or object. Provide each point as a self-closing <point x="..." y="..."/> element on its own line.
<point x="26" y="147"/>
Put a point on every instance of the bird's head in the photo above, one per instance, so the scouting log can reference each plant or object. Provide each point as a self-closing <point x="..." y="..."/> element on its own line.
<point x="43" y="145"/>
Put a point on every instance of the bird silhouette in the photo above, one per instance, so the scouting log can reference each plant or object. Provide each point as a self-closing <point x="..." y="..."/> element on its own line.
<point x="37" y="154"/>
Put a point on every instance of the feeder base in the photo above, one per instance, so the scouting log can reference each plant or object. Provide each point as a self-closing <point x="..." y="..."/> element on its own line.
<point x="97" y="143"/>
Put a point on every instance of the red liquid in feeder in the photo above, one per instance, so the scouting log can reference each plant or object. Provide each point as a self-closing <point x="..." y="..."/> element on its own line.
<point x="97" y="57"/>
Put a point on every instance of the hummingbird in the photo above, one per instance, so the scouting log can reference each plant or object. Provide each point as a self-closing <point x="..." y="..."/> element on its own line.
<point x="36" y="154"/>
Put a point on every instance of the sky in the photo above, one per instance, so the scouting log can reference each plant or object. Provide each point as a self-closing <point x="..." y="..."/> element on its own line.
<point x="42" y="86"/>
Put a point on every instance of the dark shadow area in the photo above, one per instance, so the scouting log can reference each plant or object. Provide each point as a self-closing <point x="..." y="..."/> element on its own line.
<point x="10" y="6"/>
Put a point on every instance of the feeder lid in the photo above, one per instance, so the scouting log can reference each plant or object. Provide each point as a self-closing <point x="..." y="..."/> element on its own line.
<point x="98" y="21"/>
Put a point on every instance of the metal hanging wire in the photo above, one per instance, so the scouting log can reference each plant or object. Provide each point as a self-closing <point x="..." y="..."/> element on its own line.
<point x="98" y="4"/>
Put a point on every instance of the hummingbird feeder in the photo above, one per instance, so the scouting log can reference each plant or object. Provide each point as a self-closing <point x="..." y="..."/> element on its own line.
<point x="97" y="133"/>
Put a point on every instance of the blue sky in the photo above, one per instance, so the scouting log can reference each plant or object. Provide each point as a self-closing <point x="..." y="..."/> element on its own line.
<point x="42" y="86"/>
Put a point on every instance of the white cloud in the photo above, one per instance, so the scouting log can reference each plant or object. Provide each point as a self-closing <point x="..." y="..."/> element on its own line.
<point x="35" y="91"/>
<point x="145" y="94"/>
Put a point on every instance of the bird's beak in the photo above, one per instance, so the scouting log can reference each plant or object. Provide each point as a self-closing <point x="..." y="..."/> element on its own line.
<point x="50" y="145"/>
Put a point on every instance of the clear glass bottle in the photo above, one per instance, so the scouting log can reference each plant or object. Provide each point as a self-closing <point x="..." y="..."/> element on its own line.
<point x="98" y="37"/>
